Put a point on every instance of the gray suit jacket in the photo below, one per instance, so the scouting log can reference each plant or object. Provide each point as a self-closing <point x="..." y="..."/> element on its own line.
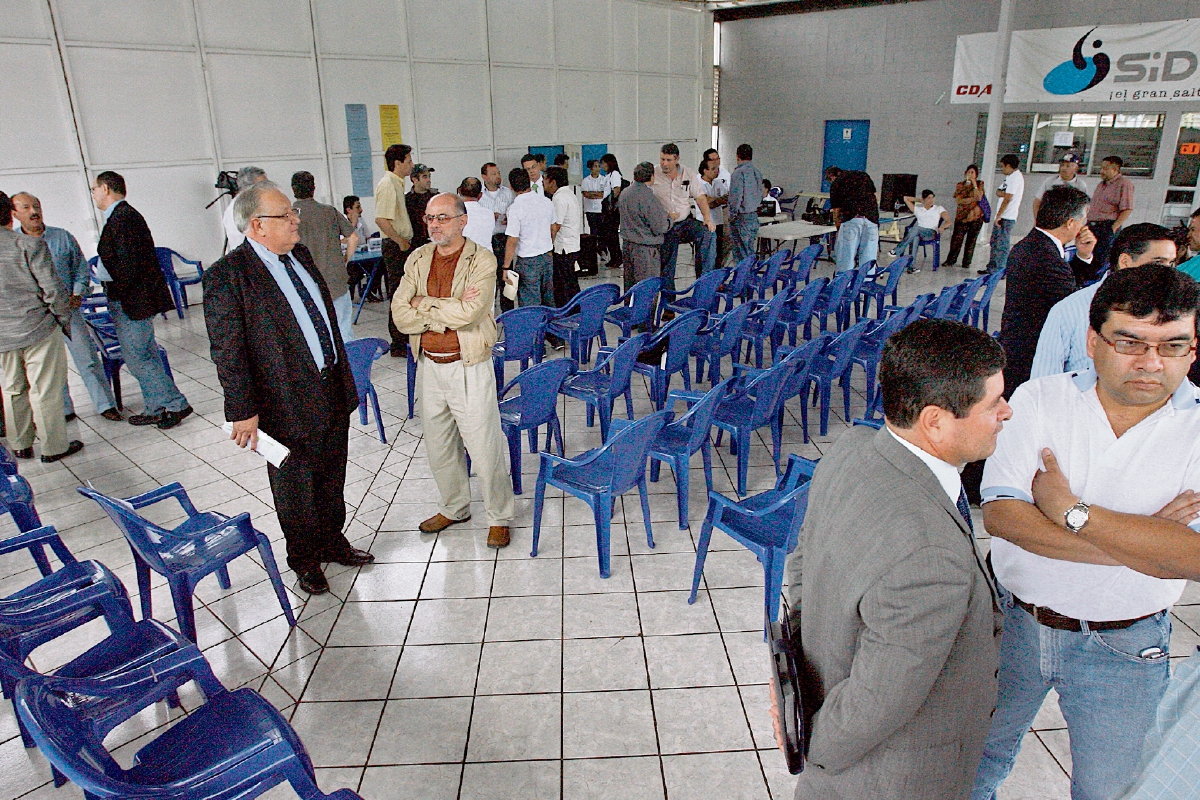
<point x="34" y="299"/>
<point x="898" y="620"/>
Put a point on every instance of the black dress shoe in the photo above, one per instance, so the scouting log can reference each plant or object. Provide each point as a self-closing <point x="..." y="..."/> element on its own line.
<point x="353" y="558"/>
<point x="112" y="415"/>
<point x="151" y="418"/>
<point x="313" y="581"/>
<point x="73" y="448"/>
<point x="72" y="416"/>
<point x="26" y="453"/>
<point x="172" y="418"/>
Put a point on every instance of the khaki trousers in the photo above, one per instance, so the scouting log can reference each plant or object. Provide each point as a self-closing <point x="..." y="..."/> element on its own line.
<point x="458" y="406"/>
<point x="35" y="376"/>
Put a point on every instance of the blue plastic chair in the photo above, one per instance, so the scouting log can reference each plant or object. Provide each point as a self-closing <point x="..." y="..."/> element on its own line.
<point x="362" y="353"/>
<point x="700" y="296"/>
<point x="764" y="325"/>
<point x="870" y="347"/>
<point x="923" y="242"/>
<point x="981" y="308"/>
<point x="236" y="745"/>
<point x="835" y="365"/>
<point x="636" y="307"/>
<point x="202" y="544"/>
<point x="16" y="498"/>
<point x="767" y="279"/>
<point x="940" y="307"/>
<point x="8" y="462"/>
<point x="722" y="338"/>
<point x="104" y="337"/>
<point x="752" y="404"/>
<point x="873" y="416"/>
<point x="600" y="387"/>
<point x="177" y="285"/>
<point x="850" y="298"/>
<point x="737" y="287"/>
<point x="767" y="524"/>
<point x="799" y="268"/>
<point x="801" y="309"/>
<point x="582" y="319"/>
<point x="536" y="405"/>
<point x="831" y="299"/>
<point x="599" y="475"/>
<point x="680" y="335"/>
<point x="874" y="290"/>
<point x="524" y="338"/>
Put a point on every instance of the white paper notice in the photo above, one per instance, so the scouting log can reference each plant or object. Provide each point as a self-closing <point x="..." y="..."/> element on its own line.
<point x="268" y="446"/>
<point x="1064" y="138"/>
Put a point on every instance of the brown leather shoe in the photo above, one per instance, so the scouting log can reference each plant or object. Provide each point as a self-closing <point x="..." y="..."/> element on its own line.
<point x="438" y="523"/>
<point x="498" y="536"/>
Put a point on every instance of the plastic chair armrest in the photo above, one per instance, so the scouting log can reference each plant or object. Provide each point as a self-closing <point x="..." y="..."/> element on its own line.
<point x="682" y="396"/>
<point x="153" y="496"/>
<point x="47" y="534"/>
<point x="57" y="604"/>
<point x="241" y="521"/>
<point x="618" y="424"/>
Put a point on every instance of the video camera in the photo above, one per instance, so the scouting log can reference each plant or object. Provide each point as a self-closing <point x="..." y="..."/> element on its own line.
<point x="227" y="183"/>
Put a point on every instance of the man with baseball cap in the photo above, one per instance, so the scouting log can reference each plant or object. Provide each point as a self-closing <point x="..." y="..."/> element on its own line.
<point x="1068" y="175"/>
<point x="415" y="201"/>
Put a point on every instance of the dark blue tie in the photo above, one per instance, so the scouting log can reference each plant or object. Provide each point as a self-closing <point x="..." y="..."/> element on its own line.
<point x="314" y="313"/>
<point x="964" y="508"/>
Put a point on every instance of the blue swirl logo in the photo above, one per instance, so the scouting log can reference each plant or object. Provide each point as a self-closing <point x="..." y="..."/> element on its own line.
<point x="1080" y="73"/>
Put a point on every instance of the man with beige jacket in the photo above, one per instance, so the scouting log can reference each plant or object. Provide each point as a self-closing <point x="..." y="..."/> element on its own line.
<point x="444" y="304"/>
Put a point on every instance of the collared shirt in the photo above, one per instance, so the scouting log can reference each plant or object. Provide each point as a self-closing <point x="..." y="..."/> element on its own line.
<point x="568" y="215"/>
<point x="389" y="204"/>
<point x="233" y="236"/>
<point x="1110" y="199"/>
<point x="1191" y="267"/>
<point x="1062" y="250"/>
<point x="928" y="218"/>
<point x="1062" y="346"/>
<point x="1013" y="184"/>
<point x="279" y="273"/>
<point x="615" y="180"/>
<point x="643" y="218"/>
<point x="537" y="186"/>
<point x="745" y="189"/>
<point x="321" y="230"/>
<point x="497" y="202"/>
<point x="529" y="219"/>
<point x="947" y="474"/>
<point x="69" y="264"/>
<point x="1138" y="473"/>
<point x="1056" y="180"/>
<point x="102" y="273"/>
<point x="480" y="223"/>
<point x="718" y="188"/>
<point x="673" y="194"/>
<point x="600" y="183"/>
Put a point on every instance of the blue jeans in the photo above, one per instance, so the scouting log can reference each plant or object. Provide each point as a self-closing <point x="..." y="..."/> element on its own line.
<point x="743" y="229"/>
<point x="536" y="287"/>
<point x="686" y="230"/>
<point x="912" y="236"/>
<point x="857" y="243"/>
<point x="1001" y="243"/>
<point x="1107" y="692"/>
<point x="140" y="352"/>
<point x="87" y="362"/>
<point x="343" y="308"/>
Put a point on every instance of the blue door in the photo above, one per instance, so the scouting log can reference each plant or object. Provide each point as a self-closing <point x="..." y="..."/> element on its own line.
<point x="549" y="151"/>
<point x="590" y="152"/>
<point x="845" y="145"/>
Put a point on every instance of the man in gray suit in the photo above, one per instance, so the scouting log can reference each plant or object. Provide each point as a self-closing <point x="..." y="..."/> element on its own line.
<point x="898" y="615"/>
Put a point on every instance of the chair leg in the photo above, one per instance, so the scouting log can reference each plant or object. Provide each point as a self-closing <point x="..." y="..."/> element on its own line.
<point x="268" y="558"/>
<point x="804" y="412"/>
<point x="683" y="483"/>
<point x="185" y="614"/>
<point x="539" y="498"/>
<point x="773" y="562"/>
<point x="656" y="468"/>
<point x="701" y="551"/>
<point x="629" y="403"/>
<point x="362" y="412"/>
<point x="605" y="409"/>
<point x="514" y="458"/>
<point x="602" y="511"/>
<point x="556" y="429"/>
<point x="706" y="456"/>
<point x="378" y="414"/>
<point x="645" y="494"/>
<point x="777" y="438"/>
<point x="826" y="391"/>
<point x="590" y="408"/>
<point x="845" y="397"/>
<point x="743" y="459"/>
<point x="223" y="578"/>
<point x="143" y="581"/>
<point x="533" y="439"/>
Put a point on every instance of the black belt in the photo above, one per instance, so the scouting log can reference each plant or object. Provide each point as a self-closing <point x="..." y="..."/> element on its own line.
<point x="1052" y="619"/>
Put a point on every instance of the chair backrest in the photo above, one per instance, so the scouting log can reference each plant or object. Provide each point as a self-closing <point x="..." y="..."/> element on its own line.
<point x="704" y="290"/>
<point x="362" y="353"/>
<point x="769" y="314"/>
<point x="147" y="539"/>
<point x="770" y="271"/>
<point x="743" y="271"/>
<point x="967" y="298"/>
<point x="804" y="302"/>
<point x="641" y="299"/>
<point x="838" y="287"/>
<point x="768" y="387"/>
<point x="698" y="420"/>
<point x="856" y="283"/>
<point x="64" y="733"/>
<point x="524" y="331"/>
<point x="8" y="464"/>
<point x="944" y="300"/>
<point x="590" y="305"/>
<point x="728" y="328"/>
<point x="629" y="448"/>
<point x="801" y="360"/>
<point x="622" y="361"/>
<point x="165" y="263"/>
<point x="804" y="260"/>
<point x="895" y="271"/>
<point x="539" y="389"/>
<point x="680" y="333"/>
<point x="989" y="289"/>
<point x="919" y="304"/>
<point x="842" y="349"/>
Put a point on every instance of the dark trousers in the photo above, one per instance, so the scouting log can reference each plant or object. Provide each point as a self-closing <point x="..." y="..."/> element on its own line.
<point x="566" y="285"/>
<point x="393" y="265"/>
<point x="686" y="230"/>
<point x="499" y="242"/>
<point x="964" y="237"/>
<point x="722" y="249"/>
<point x="308" y="490"/>
<point x="1103" y="228"/>
<point x="611" y="240"/>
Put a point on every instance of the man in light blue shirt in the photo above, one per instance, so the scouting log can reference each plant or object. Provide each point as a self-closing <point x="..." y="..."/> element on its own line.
<point x="745" y="193"/>
<point x="72" y="270"/>
<point x="1062" y="346"/>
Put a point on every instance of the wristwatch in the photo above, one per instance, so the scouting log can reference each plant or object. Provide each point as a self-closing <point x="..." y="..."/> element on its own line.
<point x="1076" y="517"/>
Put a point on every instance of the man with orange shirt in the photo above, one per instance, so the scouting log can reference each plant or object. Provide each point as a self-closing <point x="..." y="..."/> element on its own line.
<point x="444" y="304"/>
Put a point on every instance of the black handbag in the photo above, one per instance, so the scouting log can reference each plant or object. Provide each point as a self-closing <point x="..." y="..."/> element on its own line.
<point x="796" y="686"/>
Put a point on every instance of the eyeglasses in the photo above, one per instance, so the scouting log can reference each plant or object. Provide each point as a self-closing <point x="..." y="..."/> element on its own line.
<point x="1133" y="347"/>
<point x="290" y="214"/>
<point x="440" y="218"/>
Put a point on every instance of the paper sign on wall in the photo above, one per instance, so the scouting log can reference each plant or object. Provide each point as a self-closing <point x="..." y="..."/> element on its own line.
<point x="389" y="125"/>
<point x="361" y="176"/>
<point x="1064" y="138"/>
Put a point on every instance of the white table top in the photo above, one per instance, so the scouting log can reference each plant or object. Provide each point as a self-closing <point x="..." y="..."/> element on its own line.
<point x="814" y="195"/>
<point x="785" y="231"/>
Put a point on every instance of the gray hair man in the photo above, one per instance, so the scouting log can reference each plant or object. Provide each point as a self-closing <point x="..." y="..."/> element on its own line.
<point x="444" y="304"/>
<point x="331" y="240"/>
<point x="246" y="177"/>
<point x="644" y="221"/>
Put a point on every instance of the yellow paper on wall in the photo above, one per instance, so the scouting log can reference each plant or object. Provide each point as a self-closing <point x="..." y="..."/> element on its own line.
<point x="389" y="125"/>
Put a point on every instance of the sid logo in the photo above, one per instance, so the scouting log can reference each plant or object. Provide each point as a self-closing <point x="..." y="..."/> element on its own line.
<point x="1079" y="74"/>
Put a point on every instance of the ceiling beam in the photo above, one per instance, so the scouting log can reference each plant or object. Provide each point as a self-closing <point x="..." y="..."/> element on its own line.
<point x="723" y="12"/>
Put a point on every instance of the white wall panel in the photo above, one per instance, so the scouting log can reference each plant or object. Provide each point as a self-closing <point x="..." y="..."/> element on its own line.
<point x="128" y="21"/>
<point x="654" y="109"/>
<point x="523" y="106"/>
<point x="584" y="106"/>
<point x="450" y="168"/>
<point x="140" y="106"/>
<point x="37" y="129"/>
<point x="625" y="35"/>
<point x="373" y="83"/>
<point x="24" y="19"/>
<point x="583" y="35"/>
<point x="66" y="202"/>
<point x="172" y="200"/>
<point x="625" y="97"/>
<point x="364" y="27"/>
<point x="683" y="108"/>
<point x="521" y="31"/>
<point x="455" y="29"/>
<point x="276" y="25"/>
<point x="685" y="46"/>
<point x="265" y="105"/>
<point x="453" y="103"/>
<point x="654" y="31"/>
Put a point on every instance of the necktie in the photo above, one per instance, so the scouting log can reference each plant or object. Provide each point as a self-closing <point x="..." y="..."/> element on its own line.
<point x="314" y="313"/>
<point x="964" y="508"/>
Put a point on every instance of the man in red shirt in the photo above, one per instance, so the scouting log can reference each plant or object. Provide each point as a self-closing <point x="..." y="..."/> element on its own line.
<point x="1112" y="203"/>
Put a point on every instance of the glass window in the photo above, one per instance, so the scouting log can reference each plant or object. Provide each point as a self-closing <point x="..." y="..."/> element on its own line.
<point x="1041" y="140"/>
<point x="1058" y="134"/>
<point x="1133" y="137"/>
<point x="1015" y="131"/>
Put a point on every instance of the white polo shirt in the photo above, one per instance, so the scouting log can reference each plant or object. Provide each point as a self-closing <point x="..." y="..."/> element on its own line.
<point x="568" y="214"/>
<point x="1013" y="184"/>
<point x="598" y="184"/>
<point x="479" y="225"/>
<point x="497" y="202"/>
<point x="1137" y="474"/>
<point x="529" y="219"/>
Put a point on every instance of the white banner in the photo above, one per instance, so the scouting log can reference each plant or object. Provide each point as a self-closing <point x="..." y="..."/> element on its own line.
<point x="1154" y="61"/>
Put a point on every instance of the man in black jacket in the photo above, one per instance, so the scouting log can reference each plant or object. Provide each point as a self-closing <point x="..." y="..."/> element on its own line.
<point x="136" y="289"/>
<point x="283" y="368"/>
<point x="1039" y="275"/>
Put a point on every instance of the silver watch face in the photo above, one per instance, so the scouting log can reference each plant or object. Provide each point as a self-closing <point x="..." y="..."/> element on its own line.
<point x="1076" y="518"/>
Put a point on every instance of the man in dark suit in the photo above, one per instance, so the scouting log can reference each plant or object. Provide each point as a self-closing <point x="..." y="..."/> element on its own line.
<point x="1039" y="275"/>
<point x="136" y="289"/>
<point x="283" y="369"/>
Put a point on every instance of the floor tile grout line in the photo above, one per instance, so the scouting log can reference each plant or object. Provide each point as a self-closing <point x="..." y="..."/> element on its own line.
<point x="662" y="770"/>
